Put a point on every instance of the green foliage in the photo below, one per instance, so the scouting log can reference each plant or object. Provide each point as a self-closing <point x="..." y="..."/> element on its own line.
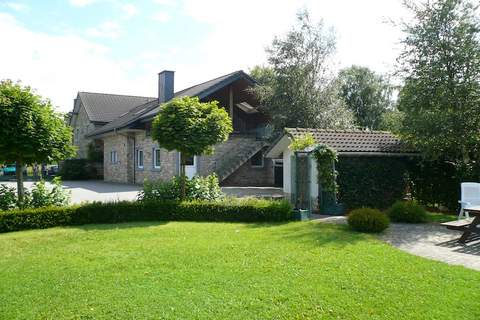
<point x="366" y="94"/>
<point x="248" y="210"/>
<point x="407" y="211"/>
<point x="441" y="67"/>
<point x="43" y="196"/>
<point x="302" y="143"/>
<point x="76" y="169"/>
<point x="94" y="154"/>
<point x="371" y="181"/>
<point x="8" y="197"/>
<point x="197" y="188"/>
<point x="30" y="130"/>
<point x="190" y="126"/>
<point x="368" y="220"/>
<point x="392" y="121"/>
<point x="326" y="158"/>
<point x="295" y="88"/>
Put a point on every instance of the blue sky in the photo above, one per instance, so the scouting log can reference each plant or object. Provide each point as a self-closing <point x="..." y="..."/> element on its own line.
<point x="60" y="47"/>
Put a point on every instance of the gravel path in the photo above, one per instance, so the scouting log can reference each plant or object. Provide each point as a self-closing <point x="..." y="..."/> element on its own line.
<point x="428" y="240"/>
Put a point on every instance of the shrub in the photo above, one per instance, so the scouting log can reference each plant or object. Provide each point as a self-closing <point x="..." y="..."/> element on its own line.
<point x="368" y="220"/>
<point x="248" y="210"/>
<point x="8" y="197"/>
<point x="42" y="196"/>
<point x="407" y="211"/>
<point x="371" y="181"/>
<point x="77" y="169"/>
<point x="197" y="188"/>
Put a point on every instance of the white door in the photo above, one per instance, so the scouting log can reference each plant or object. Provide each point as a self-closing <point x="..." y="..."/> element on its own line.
<point x="191" y="166"/>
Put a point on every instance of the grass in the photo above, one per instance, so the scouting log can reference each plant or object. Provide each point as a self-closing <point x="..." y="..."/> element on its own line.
<point x="439" y="217"/>
<point x="298" y="270"/>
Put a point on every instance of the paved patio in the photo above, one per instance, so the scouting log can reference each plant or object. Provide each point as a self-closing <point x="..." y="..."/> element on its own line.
<point x="428" y="240"/>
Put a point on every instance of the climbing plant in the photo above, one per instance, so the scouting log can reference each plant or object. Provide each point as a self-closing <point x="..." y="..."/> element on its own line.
<point x="326" y="158"/>
<point x="302" y="143"/>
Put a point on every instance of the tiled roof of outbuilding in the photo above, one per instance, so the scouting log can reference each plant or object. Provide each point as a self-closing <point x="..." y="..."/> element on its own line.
<point x="355" y="140"/>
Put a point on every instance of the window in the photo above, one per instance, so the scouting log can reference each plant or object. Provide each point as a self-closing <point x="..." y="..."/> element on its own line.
<point x="190" y="161"/>
<point x="257" y="160"/>
<point x="156" y="158"/>
<point x="113" y="157"/>
<point x="140" y="159"/>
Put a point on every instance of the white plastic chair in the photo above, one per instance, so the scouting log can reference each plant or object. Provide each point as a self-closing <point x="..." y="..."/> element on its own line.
<point x="470" y="197"/>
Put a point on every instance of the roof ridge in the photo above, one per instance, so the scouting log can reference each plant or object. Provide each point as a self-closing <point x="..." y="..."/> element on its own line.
<point x="199" y="84"/>
<point x="338" y="130"/>
<point x="115" y="94"/>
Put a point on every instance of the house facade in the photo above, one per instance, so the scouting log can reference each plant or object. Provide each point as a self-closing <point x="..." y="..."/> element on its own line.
<point x="120" y="126"/>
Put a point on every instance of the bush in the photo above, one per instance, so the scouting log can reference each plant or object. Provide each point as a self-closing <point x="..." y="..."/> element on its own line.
<point x="197" y="188"/>
<point x="407" y="211"/>
<point x="77" y="169"/>
<point x="231" y="210"/>
<point x="8" y="197"/>
<point x="42" y="196"/>
<point x="368" y="220"/>
<point x="371" y="181"/>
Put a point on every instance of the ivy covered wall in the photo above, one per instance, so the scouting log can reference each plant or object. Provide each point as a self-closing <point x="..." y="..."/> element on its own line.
<point x="371" y="181"/>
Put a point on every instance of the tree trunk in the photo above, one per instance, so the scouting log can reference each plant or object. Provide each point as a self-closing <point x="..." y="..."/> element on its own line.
<point x="183" y="191"/>
<point x="19" y="174"/>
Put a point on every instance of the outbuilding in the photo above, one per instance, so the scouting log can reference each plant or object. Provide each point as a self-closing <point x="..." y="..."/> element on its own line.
<point x="371" y="167"/>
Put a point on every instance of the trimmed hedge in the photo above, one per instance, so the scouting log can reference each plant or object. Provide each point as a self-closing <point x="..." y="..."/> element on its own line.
<point x="371" y="181"/>
<point x="407" y="211"/>
<point x="77" y="169"/>
<point x="368" y="220"/>
<point x="250" y="210"/>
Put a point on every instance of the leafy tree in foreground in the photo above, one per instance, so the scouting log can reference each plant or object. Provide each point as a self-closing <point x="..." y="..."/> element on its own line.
<point x="441" y="67"/>
<point x="30" y="130"/>
<point x="191" y="127"/>
<point x="366" y="94"/>
<point x="295" y="88"/>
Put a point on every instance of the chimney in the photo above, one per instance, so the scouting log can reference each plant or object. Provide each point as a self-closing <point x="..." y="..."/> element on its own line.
<point x="165" y="85"/>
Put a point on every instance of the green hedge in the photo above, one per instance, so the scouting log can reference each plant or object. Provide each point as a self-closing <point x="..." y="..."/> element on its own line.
<point x="230" y="210"/>
<point x="371" y="181"/>
<point x="368" y="220"/>
<point x="77" y="169"/>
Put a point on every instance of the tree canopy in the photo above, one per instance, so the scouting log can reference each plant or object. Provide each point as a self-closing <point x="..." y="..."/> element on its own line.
<point x="31" y="131"/>
<point x="440" y="64"/>
<point x="296" y="88"/>
<point x="366" y="94"/>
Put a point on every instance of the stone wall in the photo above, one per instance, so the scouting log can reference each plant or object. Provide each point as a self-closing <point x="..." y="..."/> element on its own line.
<point x="116" y="172"/>
<point x="81" y="126"/>
<point x="168" y="161"/>
<point x="248" y="176"/>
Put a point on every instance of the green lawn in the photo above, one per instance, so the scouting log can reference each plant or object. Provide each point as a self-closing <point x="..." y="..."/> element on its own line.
<point x="299" y="270"/>
<point x="440" y="217"/>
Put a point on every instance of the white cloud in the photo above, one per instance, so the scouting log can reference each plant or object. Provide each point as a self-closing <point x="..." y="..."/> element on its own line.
<point x="161" y="16"/>
<point x="107" y="29"/>
<point x="129" y="10"/>
<point x="59" y="66"/>
<point x="17" y="6"/>
<point x="165" y="2"/>
<point x="81" y="3"/>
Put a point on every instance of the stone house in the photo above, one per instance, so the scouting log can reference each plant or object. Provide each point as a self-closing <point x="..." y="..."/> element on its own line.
<point x="120" y="126"/>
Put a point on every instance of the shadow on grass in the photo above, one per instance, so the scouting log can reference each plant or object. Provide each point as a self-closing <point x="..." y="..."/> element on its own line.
<point x="119" y="225"/>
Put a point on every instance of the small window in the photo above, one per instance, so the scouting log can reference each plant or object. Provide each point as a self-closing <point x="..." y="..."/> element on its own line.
<point x="156" y="158"/>
<point x="140" y="159"/>
<point x="257" y="160"/>
<point x="113" y="157"/>
<point x="189" y="161"/>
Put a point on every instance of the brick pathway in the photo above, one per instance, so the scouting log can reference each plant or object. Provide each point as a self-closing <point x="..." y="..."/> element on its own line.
<point x="428" y="240"/>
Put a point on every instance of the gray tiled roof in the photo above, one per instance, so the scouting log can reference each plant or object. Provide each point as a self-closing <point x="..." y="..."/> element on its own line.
<point x="355" y="140"/>
<point x="103" y="107"/>
<point x="150" y="109"/>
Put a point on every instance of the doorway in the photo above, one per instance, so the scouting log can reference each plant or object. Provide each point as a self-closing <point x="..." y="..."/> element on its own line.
<point x="278" y="173"/>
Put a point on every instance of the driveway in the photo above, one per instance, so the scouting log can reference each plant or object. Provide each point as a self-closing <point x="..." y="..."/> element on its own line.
<point x="96" y="190"/>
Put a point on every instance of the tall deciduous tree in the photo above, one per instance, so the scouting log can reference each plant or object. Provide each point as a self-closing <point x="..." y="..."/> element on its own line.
<point x="367" y="95"/>
<point x="296" y="88"/>
<point x="191" y="127"/>
<point x="30" y="130"/>
<point x="441" y="67"/>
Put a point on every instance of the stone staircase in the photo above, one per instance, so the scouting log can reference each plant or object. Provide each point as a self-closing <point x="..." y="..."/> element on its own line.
<point x="231" y="155"/>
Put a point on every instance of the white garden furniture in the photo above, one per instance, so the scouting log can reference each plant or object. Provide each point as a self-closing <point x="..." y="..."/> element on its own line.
<point x="470" y="197"/>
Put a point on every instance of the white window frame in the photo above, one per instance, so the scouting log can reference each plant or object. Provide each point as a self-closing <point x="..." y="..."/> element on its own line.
<point x="140" y="166"/>
<point x="155" y="158"/>
<point x="113" y="157"/>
